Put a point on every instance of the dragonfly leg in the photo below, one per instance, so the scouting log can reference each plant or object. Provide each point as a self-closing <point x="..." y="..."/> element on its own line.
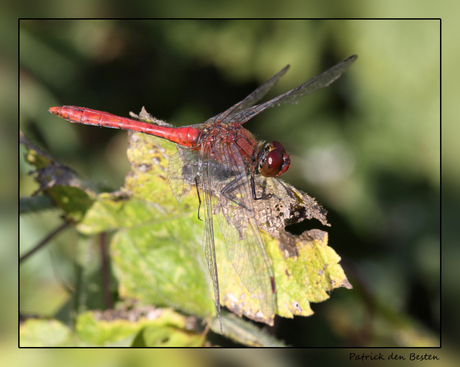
<point x="254" y="195"/>
<point x="287" y="190"/>
<point x="199" y="198"/>
<point x="232" y="186"/>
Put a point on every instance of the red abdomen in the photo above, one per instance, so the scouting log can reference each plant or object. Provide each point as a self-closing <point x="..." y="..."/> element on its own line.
<point x="186" y="136"/>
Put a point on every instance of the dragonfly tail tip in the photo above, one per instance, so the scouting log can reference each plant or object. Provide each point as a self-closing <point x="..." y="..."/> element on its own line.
<point x="54" y="110"/>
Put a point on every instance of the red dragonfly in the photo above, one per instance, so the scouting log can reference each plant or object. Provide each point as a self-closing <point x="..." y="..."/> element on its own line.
<point x="222" y="159"/>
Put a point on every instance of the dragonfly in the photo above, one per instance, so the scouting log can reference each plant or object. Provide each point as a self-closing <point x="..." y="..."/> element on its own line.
<point x="225" y="162"/>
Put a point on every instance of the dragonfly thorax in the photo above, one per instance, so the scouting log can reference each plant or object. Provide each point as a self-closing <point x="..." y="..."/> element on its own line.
<point x="273" y="160"/>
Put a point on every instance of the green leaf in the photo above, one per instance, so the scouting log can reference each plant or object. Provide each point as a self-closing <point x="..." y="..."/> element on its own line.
<point x="304" y="272"/>
<point x="35" y="204"/>
<point x="59" y="182"/>
<point x="147" y="326"/>
<point x="244" y="332"/>
<point x="156" y="247"/>
<point x="156" y="250"/>
<point x="162" y="264"/>
<point x="44" y="333"/>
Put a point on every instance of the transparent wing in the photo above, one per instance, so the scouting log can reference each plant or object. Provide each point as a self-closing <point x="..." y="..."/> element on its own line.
<point x="245" y="248"/>
<point x="320" y="81"/>
<point x="208" y="235"/>
<point x="252" y="98"/>
<point x="179" y="175"/>
<point x="185" y="167"/>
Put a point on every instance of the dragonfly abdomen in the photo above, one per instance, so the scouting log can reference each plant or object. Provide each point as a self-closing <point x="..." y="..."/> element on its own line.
<point x="185" y="136"/>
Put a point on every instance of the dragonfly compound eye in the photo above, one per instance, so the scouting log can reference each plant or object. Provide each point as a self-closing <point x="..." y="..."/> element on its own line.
<point x="279" y="146"/>
<point x="274" y="160"/>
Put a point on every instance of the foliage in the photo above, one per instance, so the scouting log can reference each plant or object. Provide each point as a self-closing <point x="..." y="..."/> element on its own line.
<point x="156" y="246"/>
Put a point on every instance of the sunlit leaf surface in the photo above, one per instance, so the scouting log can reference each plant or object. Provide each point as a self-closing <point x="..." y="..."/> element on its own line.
<point x="156" y="246"/>
<point x="143" y="327"/>
<point x="44" y="333"/>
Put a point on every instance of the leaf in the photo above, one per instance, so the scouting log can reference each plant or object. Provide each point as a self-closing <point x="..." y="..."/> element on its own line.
<point x="44" y="333"/>
<point x="306" y="269"/>
<point x="34" y="204"/>
<point x="156" y="247"/>
<point x="244" y="332"/>
<point x="59" y="182"/>
<point x="145" y="326"/>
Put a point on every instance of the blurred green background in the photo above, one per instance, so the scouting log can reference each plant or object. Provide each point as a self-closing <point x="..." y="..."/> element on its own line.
<point x="367" y="148"/>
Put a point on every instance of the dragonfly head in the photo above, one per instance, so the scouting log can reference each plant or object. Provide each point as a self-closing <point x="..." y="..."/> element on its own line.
<point x="273" y="160"/>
